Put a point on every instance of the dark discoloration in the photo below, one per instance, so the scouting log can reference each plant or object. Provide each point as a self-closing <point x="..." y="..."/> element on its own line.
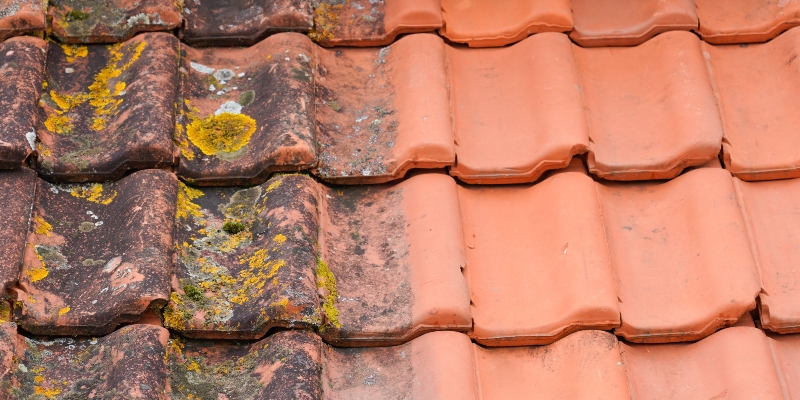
<point x="267" y="90"/>
<point x="107" y="109"/>
<point x="349" y="22"/>
<point x="102" y="21"/>
<point x="377" y="373"/>
<point x="86" y="282"/>
<point x="242" y="22"/>
<point x="18" y="17"/>
<point x="16" y="196"/>
<point x="284" y="366"/>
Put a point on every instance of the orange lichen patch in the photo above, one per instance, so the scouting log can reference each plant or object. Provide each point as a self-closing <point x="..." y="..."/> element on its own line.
<point x="185" y="205"/>
<point x="63" y="311"/>
<point x="49" y="393"/>
<point x="57" y="121"/>
<point x="326" y="18"/>
<point x="102" y="97"/>
<point x="42" y="227"/>
<point x="38" y="273"/>
<point x="223" y="133"/>
<point x="73" y="52"/>
<point x="93" y="193"/>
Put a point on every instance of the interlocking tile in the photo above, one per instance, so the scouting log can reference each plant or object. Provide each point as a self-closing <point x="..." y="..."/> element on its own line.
<point x="486" y="23"/>
<point x="381" y="112"/>
<point x="21" y="16"/>
<point x="16" y="195"/>
<point x="755" y="84"/>
<point x="628" y="23"/>
<point x="682" y="243"/>
<point x="246" y="259"/>
<point x="537" y="273"/>
<point x="97" y="254"/>
<point x="372" y="22"/>
<point x="101" y="21"/>
<point x="651" y="108"/>
<point x="242" y="23"/>
<point x="517" y="111"/>
<point x="745" y="20"/>
<point x="785" y="353"/>
<point x="107" y="109"/>
<point x="21" y="68"/>
<point x="128" y="363"/>
<point x="246" y="112"/>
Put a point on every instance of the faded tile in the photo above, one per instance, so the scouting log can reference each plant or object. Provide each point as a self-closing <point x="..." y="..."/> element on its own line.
<point x="18" y="17"/>
<point x="629" y="23"/>
<point x="103" y="21"/>
<point x="16" y="195"/>
<point x="745" y="21"/>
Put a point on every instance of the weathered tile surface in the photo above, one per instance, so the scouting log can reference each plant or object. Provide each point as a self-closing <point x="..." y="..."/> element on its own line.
<point x="745" y="21"/>
<point x="16" y="195"/>
<point x="102" y="21"/>
<point x="629" y="23"/>
<point x="18" y="17"/>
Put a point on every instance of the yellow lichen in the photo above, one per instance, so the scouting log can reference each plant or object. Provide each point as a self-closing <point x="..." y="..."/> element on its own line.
<point x="274" y="185"/>
<point x="223" y="133"/>
<point x="38" y="273"/>
<point x="63" y="311"/>
<point x="185" y="205"/>
<point x="47" y="392"/>
<point x="326" y="19"/>
<point x="42" y="226"/>
<point x="74" y="51"/>
<point x="326" y="280"/>
<point x="279" y="238"/>
<point x="94" y="193"/>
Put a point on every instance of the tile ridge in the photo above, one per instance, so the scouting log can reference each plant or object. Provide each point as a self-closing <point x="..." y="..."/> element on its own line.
<point x="476" y="371"/>
<point x="776" y="364"/>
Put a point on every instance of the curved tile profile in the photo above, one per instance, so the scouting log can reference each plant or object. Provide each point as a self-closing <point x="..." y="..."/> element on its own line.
<point x="246" y="112"/>
<point x="391" y="262"/>
<point x="381" y="112"/>
<point x="245" y="259"/>
<point x="97" y="255"/>
<point x="16" y="195"/>
<point x="21" y="68"/>
<point x="242" y="23"/>
<point x="785" y="353"/>
<point x="682" y="243"/>
<point x="102" y="21"/>
<point x="18" y="17"/>
<point x="734" y="363"/>
<point x="537" y="273"/>
<point x="371" y="22"/>
<point x="745" y="21"/>
<point x="487" y="23"/>
<point x="651" y="108"/>
<point x="629" y="23"/>
<point x="755" y="85"/>
<point x="107" y="109"/>
<point x="517" y="111"/>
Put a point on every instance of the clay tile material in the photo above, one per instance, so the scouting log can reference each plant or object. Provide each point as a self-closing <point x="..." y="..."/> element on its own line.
<point x="371" y="22"/>
<point x="128" y="363"/>
<point x="785" y="353"/>
<point x="395" y="254"/>
<point x="21" y="67"/>
<point x="242" y="23"/>
<point x="734" y="363"/>
<point x="381" y="112"/>
<point x="18" y="17"/>
<point x="755" y="84"/>
<point x="107" y="109"/>
<point x="537" y="261"/>
<point x="246" y="112"/>
<point x="745" y="21"/>
<point x="245" y="259"/>
<point x="286" y="365"/>
<point x="16" y="195"/>
<point x="97" y="254"/>
<point x="629" y="23"/>
<point x="682" y="243"/>
<point x="486" y="23"/>
<point x="651" y="108"/>
<point x="517" y="110"/>
<point x="102" y="21"/>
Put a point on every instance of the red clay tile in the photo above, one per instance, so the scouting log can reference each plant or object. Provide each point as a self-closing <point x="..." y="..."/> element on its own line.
<point x="745" y="21"/>
<point x="395" y="254"/>
<point x="16" y="195"/>
<point x="755" y="85"/>
<point x="21" y="67"/>
<point x="107" y="109"/>
<point x="98" y="255"/>
<point x="242" y="23"/>
<point x="537" y="261"/>
<point x="102" y="21"/>
<point x="651" y="108"/>
<point x="246" y="112"/>
<point x="372" y="22"/>
<point x="629" y="23"/>
<point x="18" y="17"/>
<point x="517" y="111"/>
<point x="682" y="243"/>
<point x="785" y="353"/>
<point x="246" y="259"/>
<point x="381" y="112"/>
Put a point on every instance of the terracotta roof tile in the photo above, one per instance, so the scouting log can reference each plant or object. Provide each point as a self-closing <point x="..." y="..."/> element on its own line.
<point x="785" y="352"/>
<point x="97" y="254"/>
<point x="16" y="195"/>
<point x="18" y="17"/>
<point x="99" y="21"/>
<point x="745" y="20"/>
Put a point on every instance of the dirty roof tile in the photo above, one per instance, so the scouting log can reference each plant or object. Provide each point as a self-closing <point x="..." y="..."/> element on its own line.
<point x="629" y="23"/>
<point x="517" y="110"/>
<point x="97" y="255"/>
<point x="18" y="17"/>
<point x="755" y="84"/>
<point x="381" y="112"/>
<point x="485" y="23"/>
<point x="102" y="21"/>
<point x="107" y="109"/>
<point x="683" y="243"/>
<point x="651" y="108"/>
<point x="246" y="112"/>
<point x="537" y="273"/>
<point x="745" y="21"/>
<point x="16" y="195"/>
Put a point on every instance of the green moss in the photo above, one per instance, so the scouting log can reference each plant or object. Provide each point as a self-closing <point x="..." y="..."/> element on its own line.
<point x="246" y="98"/>
<point x="193" y="292"/>
<point x="326" y="280"/>
<point x="233" y="227"/>
<point x="76" y="15"/>
<point x="334" y="105"/>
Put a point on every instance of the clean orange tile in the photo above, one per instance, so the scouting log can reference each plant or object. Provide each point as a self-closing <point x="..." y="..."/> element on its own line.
<point x="629" y="23"/>
<point x="651" y="108"/>
<point x="743" y="21"/>
<point x="681" y="255"/>
<point x="785" y="353"/>
<point x="517" y="110"/>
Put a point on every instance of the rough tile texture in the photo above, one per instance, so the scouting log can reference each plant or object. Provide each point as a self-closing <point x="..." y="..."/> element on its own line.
<point x="745" y="21"/>
<point x="629" y="23"/>
<point x="97" y="254"/>
<point x="16" y="195"/>
<point x="18" y="17"/>
<point x="101" y="21"/>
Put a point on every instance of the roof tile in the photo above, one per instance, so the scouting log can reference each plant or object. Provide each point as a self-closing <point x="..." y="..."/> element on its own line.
<point x="785" y="352"/>
<point x="100" y="21"/>
<point x="18" y="17"/>
<point x="745" y="20"/>
<point x="626" y="23"/>
<point x="16" y="195"/>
